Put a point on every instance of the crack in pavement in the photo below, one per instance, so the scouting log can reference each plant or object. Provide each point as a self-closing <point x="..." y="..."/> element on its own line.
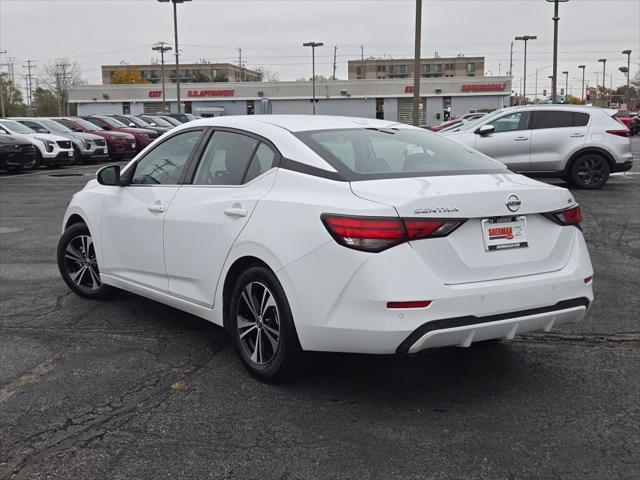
<point x="100" y="424"/>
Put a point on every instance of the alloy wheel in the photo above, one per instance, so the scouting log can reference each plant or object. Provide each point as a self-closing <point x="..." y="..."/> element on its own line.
<point x="81" y="263"/>
<point x="590" y="170"/>
<point x="258" y="321"/>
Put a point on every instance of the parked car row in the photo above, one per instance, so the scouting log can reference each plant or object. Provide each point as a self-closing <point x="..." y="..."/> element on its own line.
<point x="29" y="142"/>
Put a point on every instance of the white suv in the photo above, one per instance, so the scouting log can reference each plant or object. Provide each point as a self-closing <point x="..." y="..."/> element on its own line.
<point x="52" y="150"/>
<point x="582" y="145"/>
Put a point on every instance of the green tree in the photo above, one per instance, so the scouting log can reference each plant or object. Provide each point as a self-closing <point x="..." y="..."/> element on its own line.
<point x="45" y="103"/>
<point x="220" y="77"/>
<point x="11" y="98"/>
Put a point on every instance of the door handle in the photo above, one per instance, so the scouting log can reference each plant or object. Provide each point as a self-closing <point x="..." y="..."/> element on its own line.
<point x="577" y="135"/>
<point x="236" y="212"/>
<point x="520" y="139"/>
<point x="156" y="208"/>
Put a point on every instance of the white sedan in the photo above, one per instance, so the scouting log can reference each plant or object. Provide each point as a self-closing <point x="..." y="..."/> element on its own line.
<point x="311" y="233"/>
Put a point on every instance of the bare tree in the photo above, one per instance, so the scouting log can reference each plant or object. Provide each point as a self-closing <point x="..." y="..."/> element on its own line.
<point x="59" y="76"/>
<point x="268" y="75"/>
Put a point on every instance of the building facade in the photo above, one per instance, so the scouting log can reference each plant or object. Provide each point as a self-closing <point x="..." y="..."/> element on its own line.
<point x="382" y="68"/>
<point x="190" y="72"/>
<point x="384" y="99"/>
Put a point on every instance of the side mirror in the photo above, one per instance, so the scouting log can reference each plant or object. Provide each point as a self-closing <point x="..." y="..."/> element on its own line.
<point x="77" y="129"/>
<point x="132" y="125"/>
<point x="485" y="130"/>
<point x="109" y="175"/>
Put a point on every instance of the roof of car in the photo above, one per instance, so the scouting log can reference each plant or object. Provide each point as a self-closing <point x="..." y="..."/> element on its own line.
<point x="296" y="123"/>
<point x="562" y="106"/>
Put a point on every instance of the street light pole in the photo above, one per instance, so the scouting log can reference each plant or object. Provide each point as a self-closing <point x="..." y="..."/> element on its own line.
<point x="556" y="18"/>
<point x="525" y="39"/>
<point x="313" y="46"/>
<point x="416" y="65"/>
<point x="566" y="87"/>
<point x="582" y="67"/>
<point x="177" y="50"/>
<point x="162" y="47"/>
<point x="604" y="80"/>
<point x="626" y="93"/>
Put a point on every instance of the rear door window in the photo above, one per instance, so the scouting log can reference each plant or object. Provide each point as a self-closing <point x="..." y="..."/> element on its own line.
<point x="226" y="159"/>
<point x="559" y="119"/>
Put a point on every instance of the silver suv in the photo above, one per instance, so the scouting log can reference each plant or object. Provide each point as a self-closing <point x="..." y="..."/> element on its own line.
<point x="582" y="145"/>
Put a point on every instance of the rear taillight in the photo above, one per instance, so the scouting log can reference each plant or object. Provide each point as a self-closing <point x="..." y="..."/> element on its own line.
<point x="570" y="216"/>
<point x="620" y="132"/>
<point x="375" y="234"/>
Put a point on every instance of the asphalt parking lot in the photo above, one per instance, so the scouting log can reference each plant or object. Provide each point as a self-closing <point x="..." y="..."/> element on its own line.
<point x="131" y="389"/>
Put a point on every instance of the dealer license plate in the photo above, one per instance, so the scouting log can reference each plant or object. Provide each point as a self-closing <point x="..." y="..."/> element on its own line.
<point x="504" y="233"/>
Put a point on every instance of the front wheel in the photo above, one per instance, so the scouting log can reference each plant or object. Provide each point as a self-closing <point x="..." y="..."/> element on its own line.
<point x="589" y="171"/>
<point x="78" y="264"/>
<point x="262" y="327"/>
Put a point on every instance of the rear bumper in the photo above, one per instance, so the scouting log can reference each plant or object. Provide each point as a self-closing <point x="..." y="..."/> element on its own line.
<point x="342" y="305"/>
<point x="462" y="331"/>
<point x="623" y="167"/>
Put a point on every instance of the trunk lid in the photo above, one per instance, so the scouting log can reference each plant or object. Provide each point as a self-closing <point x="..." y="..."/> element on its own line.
<point x="461" y="257"/>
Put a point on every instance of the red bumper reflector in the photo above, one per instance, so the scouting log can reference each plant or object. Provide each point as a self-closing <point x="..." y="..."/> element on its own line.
<point x="413" y="304"/>
<point x="588" y="280"/>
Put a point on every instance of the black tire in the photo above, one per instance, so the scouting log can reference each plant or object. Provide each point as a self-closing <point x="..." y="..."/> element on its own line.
<point x="38" y="162"/>
<point x="29" y="166"/>
<point x="254" y="344"/>
<point x="589" y="171"/>
<point x="76" y="253"/>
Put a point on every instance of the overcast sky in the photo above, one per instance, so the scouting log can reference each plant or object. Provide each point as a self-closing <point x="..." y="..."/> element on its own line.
<point x="271" y="32"/>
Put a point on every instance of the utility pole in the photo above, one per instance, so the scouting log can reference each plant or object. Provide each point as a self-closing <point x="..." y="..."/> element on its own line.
<point x="362" y="52"/>
<point x="177" y="50"/>
<point x="536" y="96"/>
<point x="525" y="39"/>
<point x="313" y="46"/>
<point x="626" y="93"/>
<point x="511" y="62"/>
<point x="416" y="65"/>
<point x="162" y="47"/>
<point x="2" y="52"/>
<point x="335" y="54"/>
<point x="62" y="87"/>
<point x="240" y="64"/>
<point x="582" y="67"/>
<point x="29" y="84"/>
<point x="604" y="80"/>
<point x="556" y="18"/>
<point x="566" y="86"/>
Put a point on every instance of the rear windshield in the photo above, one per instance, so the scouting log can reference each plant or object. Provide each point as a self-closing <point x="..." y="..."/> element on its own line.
<point x="367" y="153"/>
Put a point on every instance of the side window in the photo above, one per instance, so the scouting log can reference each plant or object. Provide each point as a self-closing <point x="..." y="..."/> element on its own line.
<point x="580" y="119"/>
<point x="225" y="159"/>
<point x="512" y="122"/>
<point x="38" y="128"/>
<point x="165" y="163"/>
<point x="552" y="119"/>
<point x="262" y="161"/>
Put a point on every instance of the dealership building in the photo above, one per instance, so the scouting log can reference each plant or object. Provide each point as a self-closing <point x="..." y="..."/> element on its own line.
<point x="389" y="99"/>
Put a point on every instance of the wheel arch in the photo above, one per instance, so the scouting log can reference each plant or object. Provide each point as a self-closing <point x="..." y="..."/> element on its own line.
<point x="234" y="271"/>
<point x="73" y="219"/>
<point x="597" y="150"/>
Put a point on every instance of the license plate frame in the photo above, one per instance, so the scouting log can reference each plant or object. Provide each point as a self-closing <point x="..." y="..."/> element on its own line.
<point x="504" y="233"/>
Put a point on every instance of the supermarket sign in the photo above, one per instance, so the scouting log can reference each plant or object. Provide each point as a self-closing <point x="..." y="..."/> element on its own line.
<point x="222" y="92"/>
<point x="484" y="87"/>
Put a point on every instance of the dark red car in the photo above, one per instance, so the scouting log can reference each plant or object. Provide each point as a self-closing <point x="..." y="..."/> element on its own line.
<point x="121" y="145"/>
<point x="143" y="136"/>
<point x="448" y="123"/>
<point x="624" y="117"/>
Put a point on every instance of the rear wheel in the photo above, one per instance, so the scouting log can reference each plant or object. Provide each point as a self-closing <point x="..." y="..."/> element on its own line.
<point x="262" y="327"/>
<point x="589" y="171"/>
<point x="78" y="264"/>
